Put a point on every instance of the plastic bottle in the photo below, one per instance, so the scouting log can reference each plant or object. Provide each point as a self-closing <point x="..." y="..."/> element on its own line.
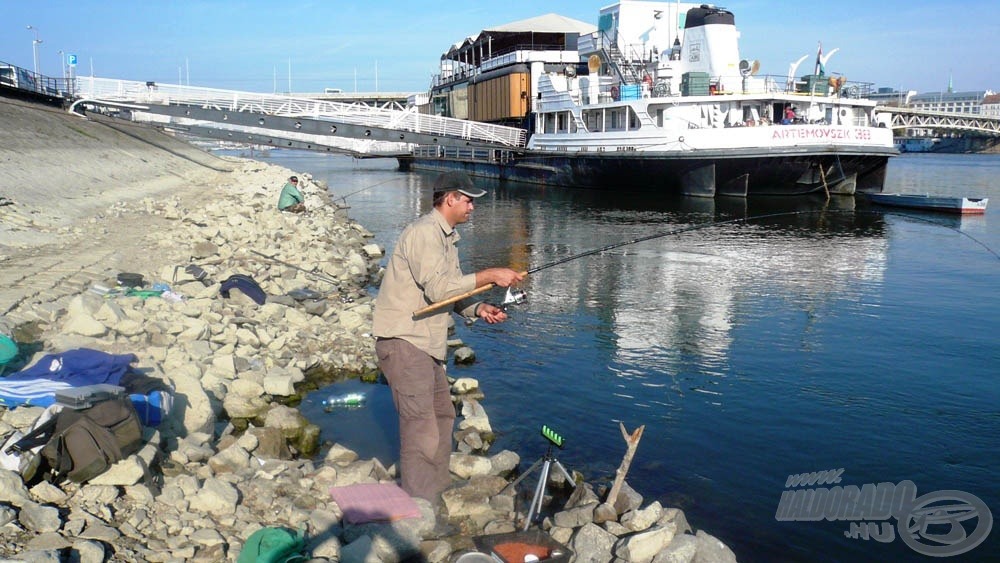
<point x="346" y="400"/>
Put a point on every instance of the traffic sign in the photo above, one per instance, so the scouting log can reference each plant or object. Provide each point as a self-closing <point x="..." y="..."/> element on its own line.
<point x="71" y="60"/>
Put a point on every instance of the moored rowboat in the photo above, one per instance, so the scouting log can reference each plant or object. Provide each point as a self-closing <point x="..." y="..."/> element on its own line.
<point x="946" y="204"/>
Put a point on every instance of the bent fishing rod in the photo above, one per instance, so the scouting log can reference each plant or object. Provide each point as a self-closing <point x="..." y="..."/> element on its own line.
<point x="451" y="300"/>
<point x="438" y="305"/>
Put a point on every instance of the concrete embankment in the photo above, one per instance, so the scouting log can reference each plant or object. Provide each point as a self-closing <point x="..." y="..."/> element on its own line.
<point x="89" y="200"/>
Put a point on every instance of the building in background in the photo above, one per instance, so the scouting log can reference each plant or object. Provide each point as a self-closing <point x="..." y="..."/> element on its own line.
<point x="990" y="106"/>
<point x="950" y="102"/>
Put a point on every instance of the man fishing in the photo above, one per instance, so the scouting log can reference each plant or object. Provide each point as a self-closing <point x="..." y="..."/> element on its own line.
<point x="412" y="349"/>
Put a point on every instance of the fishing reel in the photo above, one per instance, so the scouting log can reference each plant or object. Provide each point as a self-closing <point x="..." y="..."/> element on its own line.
<point x="514" y="296"/>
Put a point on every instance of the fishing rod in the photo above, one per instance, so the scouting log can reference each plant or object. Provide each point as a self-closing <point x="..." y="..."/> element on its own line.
<point x="435" y="306"/>
<point x="320" y="277"/>
<point x="489" y="286"/>
<point x="344" y="197"/>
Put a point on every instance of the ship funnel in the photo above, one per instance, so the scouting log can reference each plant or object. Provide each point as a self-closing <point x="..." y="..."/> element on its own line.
<point x="710" y="46"/>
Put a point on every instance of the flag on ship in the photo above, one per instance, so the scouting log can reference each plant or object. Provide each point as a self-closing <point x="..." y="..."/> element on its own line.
<point x="820" y="70"/>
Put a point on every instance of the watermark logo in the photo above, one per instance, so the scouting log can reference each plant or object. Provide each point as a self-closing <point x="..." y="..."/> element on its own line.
<point x="938" y="524"/>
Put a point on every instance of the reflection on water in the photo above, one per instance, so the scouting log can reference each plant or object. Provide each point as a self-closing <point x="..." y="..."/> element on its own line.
<point x="679" y="291"/>
<point x="770" y="337"/>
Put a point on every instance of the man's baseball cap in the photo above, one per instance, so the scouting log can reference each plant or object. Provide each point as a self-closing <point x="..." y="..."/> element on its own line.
<point x="456" y="182"/>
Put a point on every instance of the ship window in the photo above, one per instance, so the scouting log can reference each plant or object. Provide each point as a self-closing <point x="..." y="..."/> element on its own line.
<point x="616" y="120"/>
<point x="550" y="123"/>
<point x="633" y="119"/>
<point x="592" y="120"/>
<point x="563" y="119"/>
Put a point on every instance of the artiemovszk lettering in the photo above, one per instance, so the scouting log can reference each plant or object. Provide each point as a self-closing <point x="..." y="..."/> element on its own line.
<point x="843" y="133"/>
<point x="934" y="524"/>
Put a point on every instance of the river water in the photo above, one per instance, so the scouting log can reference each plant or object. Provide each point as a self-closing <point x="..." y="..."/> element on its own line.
<point x="826" y="336"/>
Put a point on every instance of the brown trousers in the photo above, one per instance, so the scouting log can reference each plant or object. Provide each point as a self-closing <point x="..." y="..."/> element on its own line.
<point x="426" y="415"/>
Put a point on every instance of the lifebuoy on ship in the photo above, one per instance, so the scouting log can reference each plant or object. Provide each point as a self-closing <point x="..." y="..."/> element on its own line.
<point x="615" y="93"/>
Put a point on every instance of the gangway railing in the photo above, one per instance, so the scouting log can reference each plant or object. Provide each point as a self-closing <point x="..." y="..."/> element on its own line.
<point x="152" y="93"/>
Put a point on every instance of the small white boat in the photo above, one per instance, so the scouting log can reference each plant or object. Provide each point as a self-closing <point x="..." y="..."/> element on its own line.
<point x="943" y="203"/>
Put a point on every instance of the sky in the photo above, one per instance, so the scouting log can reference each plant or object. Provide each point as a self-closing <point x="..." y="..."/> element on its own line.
<point x="391" y="45"/>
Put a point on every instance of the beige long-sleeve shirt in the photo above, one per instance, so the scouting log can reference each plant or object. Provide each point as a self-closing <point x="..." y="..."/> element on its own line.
<point x="423" y="269"/>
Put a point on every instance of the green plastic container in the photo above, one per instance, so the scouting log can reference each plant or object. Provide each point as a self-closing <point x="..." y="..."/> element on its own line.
<point x="8" y="350"/>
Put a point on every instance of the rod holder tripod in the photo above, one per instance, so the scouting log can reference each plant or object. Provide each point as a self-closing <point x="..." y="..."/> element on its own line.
<point x="545" y="463"/>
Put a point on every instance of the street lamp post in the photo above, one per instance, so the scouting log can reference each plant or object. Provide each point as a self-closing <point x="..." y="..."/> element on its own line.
<point x="62" y="63"/>
<point x="34" y="45"/>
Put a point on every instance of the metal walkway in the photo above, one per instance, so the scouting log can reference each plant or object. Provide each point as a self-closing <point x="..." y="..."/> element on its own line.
<point x="907" y="118"/>
<point x="284" y="121"/>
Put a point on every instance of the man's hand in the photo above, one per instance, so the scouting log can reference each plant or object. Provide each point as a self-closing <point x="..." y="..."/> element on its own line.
<point x="502" y="277"/>
<point x="491" y="313"/>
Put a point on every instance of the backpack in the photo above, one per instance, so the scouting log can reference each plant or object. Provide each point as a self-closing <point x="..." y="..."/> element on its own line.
<point x="80" y="444"/>
<point x="273" y="545"/>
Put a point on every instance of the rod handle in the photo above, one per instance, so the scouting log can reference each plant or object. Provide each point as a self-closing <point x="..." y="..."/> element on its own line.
<point x="452" y="300"/>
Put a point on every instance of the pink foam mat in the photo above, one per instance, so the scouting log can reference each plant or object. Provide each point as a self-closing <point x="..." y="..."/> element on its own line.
<point x="374" y="502"/>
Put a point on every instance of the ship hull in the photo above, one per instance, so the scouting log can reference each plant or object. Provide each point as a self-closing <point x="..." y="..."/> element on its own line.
<point x="726" y="173"/>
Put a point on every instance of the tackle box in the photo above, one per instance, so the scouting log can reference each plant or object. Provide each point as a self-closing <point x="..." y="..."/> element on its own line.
<point x="87" y="395"/>
<point x="554" y="551"/>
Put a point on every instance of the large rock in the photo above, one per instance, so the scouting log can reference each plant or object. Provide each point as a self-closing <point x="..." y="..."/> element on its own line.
<point x="191" y="404"/>
<point x="644" y="545"/>
<point x="215" y="497"/>
<point x="682" y="549"/>
<point x="712" y="550"/>
<point x="639" y="520"/>
<point x="592" y="544"/>
<point x="466" y="466"/>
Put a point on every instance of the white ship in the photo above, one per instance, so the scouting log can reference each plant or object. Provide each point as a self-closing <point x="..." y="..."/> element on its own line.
<point x="656" y="98"/>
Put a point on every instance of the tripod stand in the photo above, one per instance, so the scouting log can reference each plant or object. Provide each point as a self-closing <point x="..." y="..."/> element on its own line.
<point x="546" y="462"/>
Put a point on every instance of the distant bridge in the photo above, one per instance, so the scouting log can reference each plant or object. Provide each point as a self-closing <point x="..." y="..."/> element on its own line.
<point x="352" y="127"/>
<point x="907" y="118"/>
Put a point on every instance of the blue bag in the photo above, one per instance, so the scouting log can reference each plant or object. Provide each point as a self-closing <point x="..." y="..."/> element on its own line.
<point x="246" y="284"/>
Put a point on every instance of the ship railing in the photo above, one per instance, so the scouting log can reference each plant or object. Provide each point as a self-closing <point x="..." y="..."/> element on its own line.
<point x="756" y="85"/>
<point x="506" y="57"/>
<point x="112" y="90"/>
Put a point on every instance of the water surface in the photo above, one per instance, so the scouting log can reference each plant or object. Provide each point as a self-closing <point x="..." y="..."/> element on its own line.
<point x="834" y="335"/>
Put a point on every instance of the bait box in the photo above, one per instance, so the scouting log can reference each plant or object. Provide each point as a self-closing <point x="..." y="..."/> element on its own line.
<point x="533" y="536"/>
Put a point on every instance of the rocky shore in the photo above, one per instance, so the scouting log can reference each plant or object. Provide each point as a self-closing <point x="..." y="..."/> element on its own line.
<point x="89" y="200"/>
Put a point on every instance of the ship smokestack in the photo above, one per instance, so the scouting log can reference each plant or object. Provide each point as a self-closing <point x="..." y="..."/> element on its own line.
<point x="711" y="46"/>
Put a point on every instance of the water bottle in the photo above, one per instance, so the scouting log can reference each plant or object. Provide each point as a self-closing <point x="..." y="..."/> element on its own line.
<point x="346" y="400"/>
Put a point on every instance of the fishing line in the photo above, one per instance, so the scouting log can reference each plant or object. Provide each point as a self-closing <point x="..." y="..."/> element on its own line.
<point x="940" y="224"/>
<point x="746" y="219"/>
<point x="435" y="306"/>
<point x="690" y="228"/>
<point x="344" y="197"/>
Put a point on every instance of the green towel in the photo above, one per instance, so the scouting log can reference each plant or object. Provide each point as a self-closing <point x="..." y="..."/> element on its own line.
<point x="273" y="545"/>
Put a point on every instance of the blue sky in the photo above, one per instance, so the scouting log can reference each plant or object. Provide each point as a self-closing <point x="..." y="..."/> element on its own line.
<point x="248" y="44"/>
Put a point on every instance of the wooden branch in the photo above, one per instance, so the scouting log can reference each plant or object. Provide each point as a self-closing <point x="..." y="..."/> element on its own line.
<point x="632" y="441"/>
